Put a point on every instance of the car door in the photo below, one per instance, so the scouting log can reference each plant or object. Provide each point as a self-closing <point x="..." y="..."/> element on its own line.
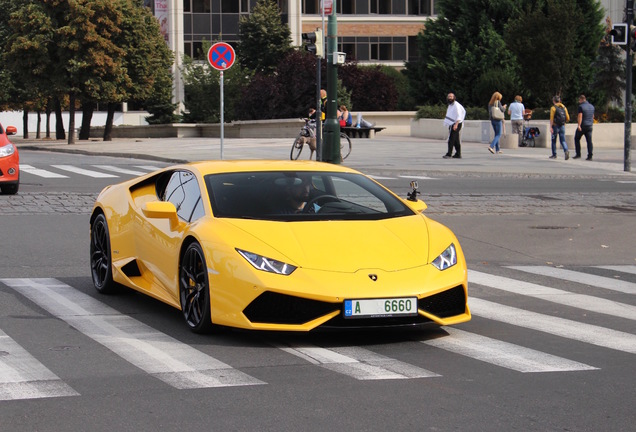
<point x="159" y="247"/>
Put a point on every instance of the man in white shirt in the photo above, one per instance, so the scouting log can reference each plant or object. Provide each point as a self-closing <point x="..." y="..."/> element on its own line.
<point x="455" y="114"/>
<point x="515" y="111"/>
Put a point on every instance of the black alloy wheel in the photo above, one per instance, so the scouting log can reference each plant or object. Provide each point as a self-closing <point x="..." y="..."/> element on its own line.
<point x="101" y="260"/>
<point x="194" y="289"/>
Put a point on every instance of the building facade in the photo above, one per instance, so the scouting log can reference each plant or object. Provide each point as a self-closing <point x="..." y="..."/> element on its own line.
<point x="369" y="31"/>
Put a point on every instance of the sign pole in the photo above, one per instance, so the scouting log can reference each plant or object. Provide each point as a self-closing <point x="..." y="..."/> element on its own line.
<point x="629" y="12"/>
<point x="222" y="118"/>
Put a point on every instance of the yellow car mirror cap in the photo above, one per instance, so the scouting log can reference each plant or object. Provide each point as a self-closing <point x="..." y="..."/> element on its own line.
<point x="418" y="206"/>
<point x="160" y="210"/>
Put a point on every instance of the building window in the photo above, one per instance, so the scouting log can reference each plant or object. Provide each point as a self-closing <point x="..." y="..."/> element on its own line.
<point x="346" y="7"/>
<point x="234" y="6"/>
<point x="311" y="7"/>
<point x="420" y="7"/>
<point x="375" y="49"/>
<point x="382" y="7"/>
<point x="201" y="6"/>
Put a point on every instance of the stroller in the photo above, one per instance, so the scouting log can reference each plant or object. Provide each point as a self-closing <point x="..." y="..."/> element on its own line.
<point x="529" y="133"/>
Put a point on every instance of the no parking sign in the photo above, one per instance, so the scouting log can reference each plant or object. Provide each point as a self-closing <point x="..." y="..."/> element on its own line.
<point x="221" y="56"/>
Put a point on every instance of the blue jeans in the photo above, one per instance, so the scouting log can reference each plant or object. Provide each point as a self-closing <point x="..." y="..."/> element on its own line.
<point x="561" y="131"/>
<point x="496" y="125"/>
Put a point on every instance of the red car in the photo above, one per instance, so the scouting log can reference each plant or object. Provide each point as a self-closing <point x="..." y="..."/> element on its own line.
<point x="9" y="162"/>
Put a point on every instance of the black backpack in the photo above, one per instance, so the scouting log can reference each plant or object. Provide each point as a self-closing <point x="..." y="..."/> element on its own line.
<point x="559" y="116"/>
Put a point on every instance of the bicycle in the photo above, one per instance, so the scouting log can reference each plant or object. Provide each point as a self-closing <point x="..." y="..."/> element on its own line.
<point x="307" y="136"/>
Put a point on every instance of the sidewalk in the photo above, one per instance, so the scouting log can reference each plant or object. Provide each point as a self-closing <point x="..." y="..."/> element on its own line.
<point x="390" y="154"/>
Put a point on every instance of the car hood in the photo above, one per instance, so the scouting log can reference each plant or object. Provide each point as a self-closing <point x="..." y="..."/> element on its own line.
<point x="345" y="246"/>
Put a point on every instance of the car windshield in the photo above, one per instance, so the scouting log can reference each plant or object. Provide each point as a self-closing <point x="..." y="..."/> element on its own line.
<point x="301" y="195"/>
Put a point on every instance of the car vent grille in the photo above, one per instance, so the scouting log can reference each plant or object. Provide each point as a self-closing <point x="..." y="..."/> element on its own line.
<point x="277" y="308"/>
<point x="131" y="269"/>
<point x="445" y="304"/>
<point x="367" y="323"/>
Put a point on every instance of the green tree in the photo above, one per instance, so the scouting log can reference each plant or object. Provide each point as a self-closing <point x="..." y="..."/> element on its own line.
<point x="609" y="78"/>
<point x="558" y="58"/>
<point x="461" y="48"/>
<point x="263" y="38"/>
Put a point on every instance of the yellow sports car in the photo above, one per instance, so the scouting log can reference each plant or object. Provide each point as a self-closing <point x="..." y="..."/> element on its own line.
<point x="277" y="245"/>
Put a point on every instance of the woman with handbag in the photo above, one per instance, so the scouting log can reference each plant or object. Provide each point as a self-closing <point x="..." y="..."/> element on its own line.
<point x="496" y="112"/>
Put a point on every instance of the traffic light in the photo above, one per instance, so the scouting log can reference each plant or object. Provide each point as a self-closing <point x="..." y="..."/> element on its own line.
<point x="314" y="43"/>
<point x="619" y="34"/>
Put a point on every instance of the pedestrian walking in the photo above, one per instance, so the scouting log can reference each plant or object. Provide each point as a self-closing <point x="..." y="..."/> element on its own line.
<point x="559" y="116"/>
<point x="585" y="120"/>
<point x="516" y="111"/>
<point x="455" y="115"/>
<point x="496" y="111"/>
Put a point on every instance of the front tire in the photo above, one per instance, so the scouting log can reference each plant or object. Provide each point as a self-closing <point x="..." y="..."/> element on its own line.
<point x="194" y="289"/>
<point x="101" y="258"/>
<point x="297" y="147"/>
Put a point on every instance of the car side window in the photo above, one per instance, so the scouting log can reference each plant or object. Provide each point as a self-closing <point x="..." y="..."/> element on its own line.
<point x="183" y="191"/>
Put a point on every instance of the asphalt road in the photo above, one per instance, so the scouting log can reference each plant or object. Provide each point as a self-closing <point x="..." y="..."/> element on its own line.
<point x="552" y="284"/>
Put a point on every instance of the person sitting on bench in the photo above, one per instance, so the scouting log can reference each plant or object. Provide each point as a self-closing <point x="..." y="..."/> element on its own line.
<point x="362" y="123"/>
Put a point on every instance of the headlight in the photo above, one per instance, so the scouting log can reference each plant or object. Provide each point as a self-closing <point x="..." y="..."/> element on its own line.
<point x="446" y="259"/>
<point x="267" y="264"/>
<point x="7" y="150"/>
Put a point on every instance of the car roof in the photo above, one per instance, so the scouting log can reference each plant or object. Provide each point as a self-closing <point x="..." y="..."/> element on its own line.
<point x="227" y="166"/>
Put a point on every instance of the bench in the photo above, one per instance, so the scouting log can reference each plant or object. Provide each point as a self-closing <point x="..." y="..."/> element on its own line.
<point x="354" y="132"/>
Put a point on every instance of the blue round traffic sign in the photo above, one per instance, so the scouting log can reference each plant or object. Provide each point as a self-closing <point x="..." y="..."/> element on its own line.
<point x="221" y="56"/>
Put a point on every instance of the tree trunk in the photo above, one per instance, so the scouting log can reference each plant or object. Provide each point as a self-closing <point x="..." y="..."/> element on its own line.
<point x="71" y="118"/>
<point x="59" y="122"/>
<point x="108" y="128"/>
<point x="25" y="124"/>
<point x="47" y="111"/>
<point x="88" y="107"/>
<point x="37" y="128"/>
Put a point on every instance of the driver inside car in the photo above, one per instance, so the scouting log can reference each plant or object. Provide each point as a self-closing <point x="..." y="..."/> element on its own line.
<point x="296" y="192"/>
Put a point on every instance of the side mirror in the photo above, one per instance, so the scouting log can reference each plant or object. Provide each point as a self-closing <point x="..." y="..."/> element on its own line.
<point x="161" y="210"/>
<point x="11" y="130"/>
<point x="418" y="206"/>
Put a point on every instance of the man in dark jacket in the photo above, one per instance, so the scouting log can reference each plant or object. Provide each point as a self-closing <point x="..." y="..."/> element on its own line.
<point x="585" y="119"/>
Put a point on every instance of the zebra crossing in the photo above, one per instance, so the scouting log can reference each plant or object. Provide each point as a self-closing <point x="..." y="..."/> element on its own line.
<point x="183" y="366"/>
<point x="93" y="171"/>
<point x="112" y="171"/>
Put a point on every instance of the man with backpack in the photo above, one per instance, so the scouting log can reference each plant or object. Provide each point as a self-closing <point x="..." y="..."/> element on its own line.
<point x="558" y="118"/>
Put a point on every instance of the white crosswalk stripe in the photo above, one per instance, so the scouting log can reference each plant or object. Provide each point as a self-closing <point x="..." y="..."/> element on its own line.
<point x="82" y="171"/>
<point x="148" y="167"/>
<point x="620" y="268"/>
<point x="580" y="301"/>
<point x="24" y="377"/>
<point x="163" y="357"/>
<point x="119" y="170"/>
<point x="503" y="354"/>
<point x="565" y="328"/>
<point x="578" y="277"/>
<point x="40" y="172"/>
<point x="358" y="363"/>
<point x="416" y="177"/>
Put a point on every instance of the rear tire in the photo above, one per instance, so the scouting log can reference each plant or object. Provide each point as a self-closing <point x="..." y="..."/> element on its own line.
<point x="345" y="145"/>
<point x="297" y="147"/>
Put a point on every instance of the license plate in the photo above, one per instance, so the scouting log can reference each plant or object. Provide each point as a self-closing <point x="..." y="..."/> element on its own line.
<point x="378" y="308"/>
